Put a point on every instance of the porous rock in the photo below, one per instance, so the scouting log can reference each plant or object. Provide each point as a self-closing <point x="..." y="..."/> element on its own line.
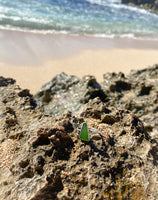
<point x="66" y="92"/>
<point x="6" y="81"/>
<point x="43" y="158"/>
<point x="141" y="97"/>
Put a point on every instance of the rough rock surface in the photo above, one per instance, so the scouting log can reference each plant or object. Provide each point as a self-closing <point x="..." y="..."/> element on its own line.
<point x="137" y="92"/>
<point x="42" y="157"/>
<point x="66" y="92"/>
<point x="151" y="5"/>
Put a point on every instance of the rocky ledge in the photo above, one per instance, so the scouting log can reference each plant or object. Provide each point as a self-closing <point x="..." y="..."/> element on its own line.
<point x="151" y="5"/>
<point x="42" y="157"/>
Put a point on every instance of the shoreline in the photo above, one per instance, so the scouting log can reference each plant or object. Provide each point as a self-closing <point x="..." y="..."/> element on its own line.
<point x="30" y="49"/>
<point x="34" y="59"/>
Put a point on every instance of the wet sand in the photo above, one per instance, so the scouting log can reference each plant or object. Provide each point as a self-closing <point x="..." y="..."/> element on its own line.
<point x="34" y="59"/>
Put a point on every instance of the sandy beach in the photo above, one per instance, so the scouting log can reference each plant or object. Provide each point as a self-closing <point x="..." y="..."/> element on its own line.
<point x="34" y="59"/>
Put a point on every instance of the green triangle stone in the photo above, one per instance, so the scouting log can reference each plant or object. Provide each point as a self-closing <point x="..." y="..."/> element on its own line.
<point x="84" y="132"/>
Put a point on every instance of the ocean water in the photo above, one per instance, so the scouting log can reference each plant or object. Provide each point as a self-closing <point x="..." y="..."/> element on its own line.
<point x="98" y="18"/>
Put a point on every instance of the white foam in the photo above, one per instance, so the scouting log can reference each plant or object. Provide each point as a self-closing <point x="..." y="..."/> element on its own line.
<point x="70" y="23"/>
<point x="49" y="32"/>
<point x="117" y="4"/>
<point x="104" y="2"/>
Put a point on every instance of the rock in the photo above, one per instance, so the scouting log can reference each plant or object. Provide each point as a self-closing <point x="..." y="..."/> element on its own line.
<point x="151" y="5"/>
<point x="66" y="92"/>
<point x="59" y="82"/>
<point x="118" y="82"/>
<point x="96" y="136"/>
<point x="95" y="109"/>
<point x="141" y="96"/>
<point x="56" y="137"/>
<point x="6" y="81"/>
<point x="42" y="157"/>
<point x="50" y="189"/>
<point x="109" y="119"/>
<point x="145" y="90"/>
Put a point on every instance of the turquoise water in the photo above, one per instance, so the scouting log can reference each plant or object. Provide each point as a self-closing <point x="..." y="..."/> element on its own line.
<point x="99" y="18"/>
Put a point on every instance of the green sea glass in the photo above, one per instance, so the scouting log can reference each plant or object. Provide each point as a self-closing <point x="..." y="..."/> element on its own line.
<point x="84" y="132"/>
